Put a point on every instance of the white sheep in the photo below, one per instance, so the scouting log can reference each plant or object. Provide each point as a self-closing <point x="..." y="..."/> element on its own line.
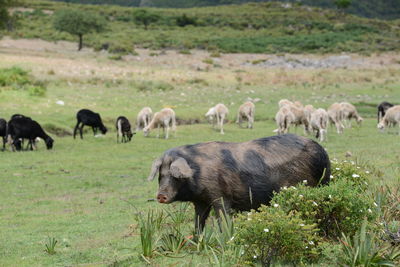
<point x="319" y="123"/>
<point x="246" y="111"/>
<point x="350" y="112"/>
<point x="163" y="119"/>
<point x="335" y="114"/>
<point x="284" y="118"/>
<point x="284" y="102"/>
<point x="391" y="118"/>
<point x="308" y="110"/>
<point x="219" y="112"/>
<point x="143" y="118"/>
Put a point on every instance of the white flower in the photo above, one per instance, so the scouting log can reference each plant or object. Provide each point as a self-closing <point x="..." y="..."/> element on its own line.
<point x="284" y="188"/>
<point x="361" y="211"/>
<point x="352" y="163"/>
<point x="314" y="203"/>
<point x="311" y="243"/>
<point x="337" y="169"/>
<point x="255" y="257"/>
<point x="293" y="187"/>
<point x="330" y="196"/>
<point x="266" y="230"/>
<point x="357" y="167"/>
<point x="276" y="205"/>
<point x="367" y="172"/>
<point x="302" y="224"/>
<point x="306" y="246"/>
<point x="301" y="196"/>
<point x="331" y="176"/>
<point x="355" y="175"/>
<point x="304" y="181"/>
<point x="376" y="205"/>
<point x="369" y="210"/>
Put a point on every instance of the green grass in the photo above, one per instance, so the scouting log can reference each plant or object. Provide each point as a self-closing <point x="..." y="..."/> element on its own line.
<point x="250" y="28"/>
<point x="85" y="193"/>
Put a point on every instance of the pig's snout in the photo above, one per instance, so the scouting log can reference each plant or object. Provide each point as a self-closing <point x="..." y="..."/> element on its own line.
<point x="161" y="198"/>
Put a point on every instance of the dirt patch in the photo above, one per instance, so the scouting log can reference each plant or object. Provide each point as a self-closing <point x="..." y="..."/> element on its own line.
<point x="290" y="62"/>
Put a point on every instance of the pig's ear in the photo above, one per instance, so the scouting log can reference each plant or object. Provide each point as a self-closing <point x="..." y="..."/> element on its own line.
<point x="180" y="169"/>
<point x="154" y="169"/>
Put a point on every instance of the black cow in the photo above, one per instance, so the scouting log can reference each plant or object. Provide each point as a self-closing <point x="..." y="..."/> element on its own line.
<point x="243" y="175"/>
<point x="89" y="118"/>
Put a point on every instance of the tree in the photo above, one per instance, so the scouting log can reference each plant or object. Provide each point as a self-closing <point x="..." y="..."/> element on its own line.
<point x="342" y="4"/>
<point x="4" y="15"/>
<point x="78" y="22"/>
<point x="145" y="17"/>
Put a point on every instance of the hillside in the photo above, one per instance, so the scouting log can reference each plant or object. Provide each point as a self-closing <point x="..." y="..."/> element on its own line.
<point x="250" y="28"/>
<point x="384" y="9"/>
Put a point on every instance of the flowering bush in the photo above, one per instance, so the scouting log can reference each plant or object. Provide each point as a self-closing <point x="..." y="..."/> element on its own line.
<point x="336" y="208"/>
<point x="272" y="234"/>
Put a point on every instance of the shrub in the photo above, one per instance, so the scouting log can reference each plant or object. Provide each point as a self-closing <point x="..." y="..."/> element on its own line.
<point x="184" y="20"/>
<point x="272" y="234"/>
<point x="364" y="250"/>
<point x="339" y="207"/>
<point x="147" y="86"/>
<point x="14" y="77"/>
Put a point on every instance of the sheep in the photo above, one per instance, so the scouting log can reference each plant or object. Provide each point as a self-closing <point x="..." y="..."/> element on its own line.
<point x="335" y="114"/>
<point x="246" y="111"/>
<point x="391" y="118"/>
<point x="350" y="112"/>
<point x="284" y="118"/>
<point x="90" y="118"/>
<point x="298" y="104"/>
<point x="308" y="110"/>
<point x="143" y="118"/>
<point x="382" y="108"/>
<point x="123" y="129"/>
<point x="284" y="102"/>
<point x="3" y="132"/>
<point x="220" y="111"/>
<point x="319" y="123"/>
<point x="27" y="128"/>
<point x="163" y="119"/>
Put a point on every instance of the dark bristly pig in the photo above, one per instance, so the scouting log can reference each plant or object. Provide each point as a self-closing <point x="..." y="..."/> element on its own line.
<point x="237" y="176"/>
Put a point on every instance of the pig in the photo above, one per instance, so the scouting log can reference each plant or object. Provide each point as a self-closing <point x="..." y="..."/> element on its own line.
<point x="237" y="176"/>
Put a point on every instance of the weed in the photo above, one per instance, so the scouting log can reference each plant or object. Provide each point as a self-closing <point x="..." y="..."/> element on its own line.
<point x="51" y="246"/>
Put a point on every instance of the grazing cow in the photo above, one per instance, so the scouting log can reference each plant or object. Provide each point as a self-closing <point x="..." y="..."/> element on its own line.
<point x="89" y="118"/>
<point x="391" y="118"/>
<point x="3" y="132"/>
<point x="382" y="108"/>
<point x="23" y="127"/>
<point x="164" y="118"/>
<point x="246" y="111"/>
<point x="237" y="176"/>
<point x="143" y="118"/>
<point x="123" y="129"/>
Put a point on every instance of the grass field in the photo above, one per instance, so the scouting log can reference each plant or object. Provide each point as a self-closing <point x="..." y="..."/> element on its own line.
<point x="85" y="192"/>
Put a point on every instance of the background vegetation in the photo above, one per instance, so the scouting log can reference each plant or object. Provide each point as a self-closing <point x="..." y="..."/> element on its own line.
<point x="251" y="28"/>
<point x="384" y="9"/>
